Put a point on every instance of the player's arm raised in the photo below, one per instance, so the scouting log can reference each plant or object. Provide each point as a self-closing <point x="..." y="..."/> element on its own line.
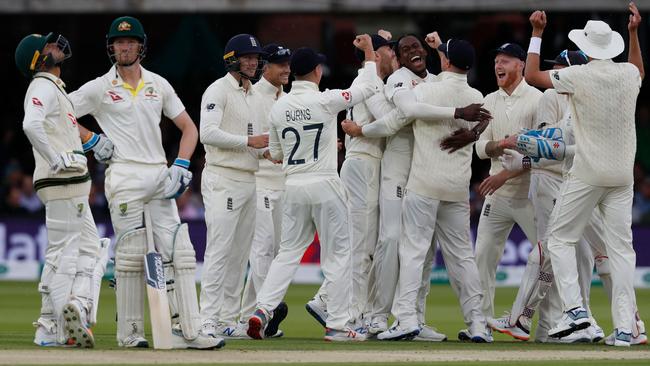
<point x="532" y="72"/>
<point x="634" y="57"/>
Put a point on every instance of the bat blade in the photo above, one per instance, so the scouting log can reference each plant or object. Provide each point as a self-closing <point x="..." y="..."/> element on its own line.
<point x="161" y="326"/>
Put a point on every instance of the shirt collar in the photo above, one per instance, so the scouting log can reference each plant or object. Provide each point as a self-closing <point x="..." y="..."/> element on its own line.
<point x="235" y="84"/>
<point x="265" y="87"/>
<point x="53" y="78"/>
<point x="301" y="86"/>
<point x="414" y="76"/>
<point x="452" y="75"/>
<point x="116" y="79"/>
<point x="519" y="91"/>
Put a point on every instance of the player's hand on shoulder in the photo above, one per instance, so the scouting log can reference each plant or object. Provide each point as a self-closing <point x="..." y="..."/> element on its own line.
<point x="473" y="113"/>
<point x="259" y="141"/>
<point x="68" y="161"/>
<point x="178" y="179"/>
<point x="351" y="128"/>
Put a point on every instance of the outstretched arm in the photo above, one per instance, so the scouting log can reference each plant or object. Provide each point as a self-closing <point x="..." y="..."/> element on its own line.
<point x="532" y="72"/>
<point x="634" y="57"/>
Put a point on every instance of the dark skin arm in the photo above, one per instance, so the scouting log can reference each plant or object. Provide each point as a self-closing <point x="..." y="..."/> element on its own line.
<point x="463" y="137"/>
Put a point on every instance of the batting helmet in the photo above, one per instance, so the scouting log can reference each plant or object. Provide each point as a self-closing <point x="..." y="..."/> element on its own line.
<point x="29" y="53"/>
<point x="241" y="45"/>
<point x="126" y="27"/>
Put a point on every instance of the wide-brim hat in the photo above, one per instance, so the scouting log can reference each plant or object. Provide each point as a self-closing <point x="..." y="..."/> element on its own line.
<point x="597" y="40"/>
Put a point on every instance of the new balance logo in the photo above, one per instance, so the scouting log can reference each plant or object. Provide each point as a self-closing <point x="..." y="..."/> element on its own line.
<point x="228" y="332"/>
<point x="267" y="203"/>
<point x="486" y="210"/>
<point x="229" y="204"/>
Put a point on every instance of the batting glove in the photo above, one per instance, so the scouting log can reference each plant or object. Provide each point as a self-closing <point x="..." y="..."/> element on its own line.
<point x="179" y="178"/>
<point x="513" y="161"/>
<point x="69" y="161"/>
<point x="101" y="146"/>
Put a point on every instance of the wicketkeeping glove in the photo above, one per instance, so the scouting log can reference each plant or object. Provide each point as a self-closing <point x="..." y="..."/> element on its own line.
<point x="101" y="146"/>
<point x="513" y="161"/>
<point x="69" y="161"/>
<point x="179" y="178"/>
<point x="542" y="144"/>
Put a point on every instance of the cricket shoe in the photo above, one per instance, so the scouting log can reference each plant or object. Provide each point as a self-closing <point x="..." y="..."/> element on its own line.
<point x="642" y="338"/>
<point x="279" y="314"/>
<point x="76" y="325"/>
<point x="209" y="328"/>
<point x="202" y="342"/>
<point x="518" y="331"/>
<point x="595" y="332"/>
<point x="619" y="339"/>
<point x="572" y="320"/>
<point x="232" y="331"/>
<point x="579" y="336"/>
<point x="480" y="333"/>
<point x="377" y="325"/>
<point x="317" y="308"/>
<point x="398" y="333"/>
<point x="347" y="335"/>
<point x="133" y="341"/>
<point x="429" y="334"/>
<point x="46" y="334"/>
<point x="257" y="324"/>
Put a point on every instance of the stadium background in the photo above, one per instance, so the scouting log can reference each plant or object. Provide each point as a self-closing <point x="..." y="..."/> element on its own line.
<point x="186" y="42"/>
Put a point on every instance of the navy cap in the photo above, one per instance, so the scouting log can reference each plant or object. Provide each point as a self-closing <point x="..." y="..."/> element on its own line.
<point x="304" y="60"/>
<point x="377" y="42"/>
<point x="459" y="52"/>
<point x="512" y="49"/>
<point x="276" y="54"/>
<point x="240" y="45"/>
<point x="569" y="58"/>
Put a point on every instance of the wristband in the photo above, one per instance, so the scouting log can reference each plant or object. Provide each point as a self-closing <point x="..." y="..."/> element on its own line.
<point x="91" y="142"/>
<point x="183" y="163"/>
<point x="535" y="45"/>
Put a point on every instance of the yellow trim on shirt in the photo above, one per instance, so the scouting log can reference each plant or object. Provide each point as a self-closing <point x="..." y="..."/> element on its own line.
<point x="135" y="91"/>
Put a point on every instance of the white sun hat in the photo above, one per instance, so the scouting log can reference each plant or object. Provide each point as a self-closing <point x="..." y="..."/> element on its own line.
<point x="598" y="40"/>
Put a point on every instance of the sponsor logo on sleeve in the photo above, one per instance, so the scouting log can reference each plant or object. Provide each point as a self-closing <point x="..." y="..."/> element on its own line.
<point x="346" y="95"/>
<point x="210" y="107"/>
<point x="37" y="102"/>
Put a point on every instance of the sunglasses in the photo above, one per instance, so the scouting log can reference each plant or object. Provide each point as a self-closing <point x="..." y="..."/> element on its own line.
<point x="281" y="53"/>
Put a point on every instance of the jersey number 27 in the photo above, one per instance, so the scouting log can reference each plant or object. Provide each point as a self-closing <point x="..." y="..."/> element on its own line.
<point x="316" y="126"/>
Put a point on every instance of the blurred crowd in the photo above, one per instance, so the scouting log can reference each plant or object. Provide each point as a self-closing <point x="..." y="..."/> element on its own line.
<point x="19" y="198"/>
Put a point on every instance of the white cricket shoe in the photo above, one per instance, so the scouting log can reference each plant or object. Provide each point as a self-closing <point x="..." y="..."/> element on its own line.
<point x="257" y="324"/>
<point x="76" y="325"/>
<point x="398" y="333"/>
<point x="619" y="338"/>
<point x="595" y="332"/>
<point x="232" y="331"/>
<point x="347" y="335"/>
<point x="642" y="338"/>
<point x="518" y="331"/>
<point x="46" y="333"/>
<point x="317" y="308"/>
<point x="133" y="341"/>
<point x="377" y="325"/>
<point x="579" y="336"/>
<point x="201" y="342"/>
<point x="464" y="335"/>
<point x="480" y="332"/>
<point x="429" y="334"/>
<point x="572" y="320"/>
<point x="209" y="328"/>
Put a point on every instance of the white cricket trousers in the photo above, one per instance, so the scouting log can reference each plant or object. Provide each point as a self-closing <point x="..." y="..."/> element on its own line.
<point x="395" y="168"/>
<point x="229" y="217"/>
<point x="572" y="213"/>
<point x="360" y="176"/>
<point x="426" y="220"/>
<point x="498" y="216"/>
<point x="314" y="204"/>
<point x="266" y="244"/>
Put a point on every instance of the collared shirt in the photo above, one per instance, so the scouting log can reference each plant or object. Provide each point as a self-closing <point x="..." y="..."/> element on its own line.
<point x="434" y="172"/>
<point x="510" y="113"/>
<point x="602" y="95"/>
<point x="363" y="146"/>
<point x="270" y="175"/>
<point x="228" y="118"/>
<point x="130" y="118"/>
<point x="303" y="125"/>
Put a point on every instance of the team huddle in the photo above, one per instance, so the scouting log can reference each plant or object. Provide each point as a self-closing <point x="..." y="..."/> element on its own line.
<point x="561" y="169"/>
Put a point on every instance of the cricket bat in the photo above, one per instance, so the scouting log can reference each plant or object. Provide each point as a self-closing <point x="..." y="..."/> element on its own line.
<point x="161" y="323"/>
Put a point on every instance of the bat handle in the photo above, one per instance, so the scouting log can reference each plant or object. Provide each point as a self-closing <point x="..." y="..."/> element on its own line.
<point x="148" y="228"/>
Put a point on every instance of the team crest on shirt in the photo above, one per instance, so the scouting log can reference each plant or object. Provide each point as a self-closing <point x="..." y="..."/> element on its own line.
<point x="123" y="207"/>
<point x="80" y="209"/>
<point x="37" y="102"/>
<point x="150" y="92"/>
<point x="556" y="75"/>
<point x="115" y="97"/>
<point x="414" y="82"/>
<point x="346" y="95"/>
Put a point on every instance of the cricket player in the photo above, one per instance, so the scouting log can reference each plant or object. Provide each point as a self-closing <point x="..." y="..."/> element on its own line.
<point x="128" y="103"/>
<point x="601" y="93"/>
<point x="68" y="286"/>
<point x="233" y="142"/>
<point x="436" y="205"/>
<point x="303" y="134"/>
<point x="513" y="107"/>
<point x="536" y="290"/>
<point x="269" y="182"/>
